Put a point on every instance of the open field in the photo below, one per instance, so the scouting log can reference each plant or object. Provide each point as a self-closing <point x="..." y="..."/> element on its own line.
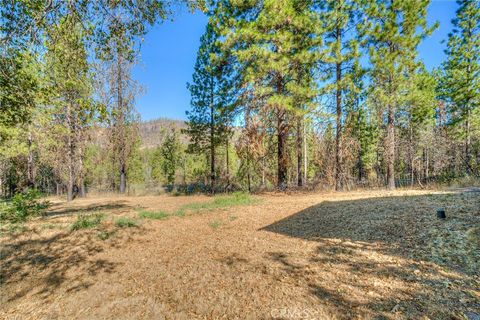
<point x="357" y="255"/>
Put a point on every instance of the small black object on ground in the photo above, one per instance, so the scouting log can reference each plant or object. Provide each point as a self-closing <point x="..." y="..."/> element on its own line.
<point x="441" y="214"/>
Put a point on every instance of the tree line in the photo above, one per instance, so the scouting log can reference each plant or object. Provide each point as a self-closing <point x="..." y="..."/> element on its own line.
<point x="284" y="93"/>
<point x="276" y="69"/>
<point x="65" y="73"/>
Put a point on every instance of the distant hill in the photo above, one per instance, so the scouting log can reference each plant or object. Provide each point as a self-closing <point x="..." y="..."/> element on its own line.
<point x="151" y="131"/>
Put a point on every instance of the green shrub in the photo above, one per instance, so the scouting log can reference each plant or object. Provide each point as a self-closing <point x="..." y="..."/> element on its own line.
<point x="235" y="199"/>
<point x="23" y="206"/>
<point x="50" y="226"/>
<point x="4" y="206"/>
<point x="87" y="221"/>
<point x="223" y="202"/>
<point x="17" y="228"/>
<point x="215" y="224"/>
<point x="180" y="213"/>
<point x="144" y="214"/>
<point x="126" y="222"/>
<point x="104" y="235"/>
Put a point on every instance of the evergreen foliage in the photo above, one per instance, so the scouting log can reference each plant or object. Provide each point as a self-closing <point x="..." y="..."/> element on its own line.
<point x="284" y="93"/>
<point x="461" y="78"/>
<point x="213" y="99"/>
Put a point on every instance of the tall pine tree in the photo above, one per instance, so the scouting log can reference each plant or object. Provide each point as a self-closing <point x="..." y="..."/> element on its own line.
<point x="394" y="31"/>
<point x="213" y="99"/>
<point x="461" y="81"/>
<point x="276" y="42"/>
<point x="71" y="90"/>
<point x="340" y="18"/>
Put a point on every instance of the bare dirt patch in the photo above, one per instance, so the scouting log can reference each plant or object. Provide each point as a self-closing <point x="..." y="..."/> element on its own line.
<point x="359" y="255"/>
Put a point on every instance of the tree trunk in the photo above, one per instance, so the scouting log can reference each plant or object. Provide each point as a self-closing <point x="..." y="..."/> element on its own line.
<point x="391" y="149"/>
<point x="70" y="183"/>
<point x="263" y="173"/>
<point x="81" y="175"/>
<point x="184" y="167"/>
<point x="360" y="166"/>
<point x="361" y="169"/>
<point x="300" y="163"/>
<point x="247" y="125"/>
<point x="69" y="191"/>
<point x="82" y="189"/>
<point x="113" y="181"/>
<point x="411" y="155"/>
<point x="123" y="179"/>
<point x="305" y="155"/>
<point x="70" y="155"/>
<point x="212" y="149"/>
<point x="282" y="151"/>
<point x="227" y="156"/>
<point x="121" y="139"/>
<point x="425" y="164"/>
<point x="468" y="156"/>
<point x="412" y="173"/>
<point x="30" y="162"/>
<point x="339" y="176"/>
<point x="58" y="188"/>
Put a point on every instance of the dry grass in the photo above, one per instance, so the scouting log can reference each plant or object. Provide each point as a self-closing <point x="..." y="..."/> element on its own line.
<point x="359" y="255"/>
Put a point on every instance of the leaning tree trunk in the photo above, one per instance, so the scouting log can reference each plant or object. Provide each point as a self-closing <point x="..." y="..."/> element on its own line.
<point x="390" y="148"/>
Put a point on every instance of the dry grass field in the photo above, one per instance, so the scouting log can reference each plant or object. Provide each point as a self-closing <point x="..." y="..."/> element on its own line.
<point x="356" y="255"/>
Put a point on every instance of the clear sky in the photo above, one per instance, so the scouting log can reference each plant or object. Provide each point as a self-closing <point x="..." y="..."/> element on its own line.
<point x="169" y="50"/>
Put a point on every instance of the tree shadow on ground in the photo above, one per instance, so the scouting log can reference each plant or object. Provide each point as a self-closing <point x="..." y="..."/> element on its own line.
<point x="380" y="257"/>
<point x="41" y="265"/>
<point x="118" y="205"/>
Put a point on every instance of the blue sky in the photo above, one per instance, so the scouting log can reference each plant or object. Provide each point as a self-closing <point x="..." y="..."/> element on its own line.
<point x="169" y="50"/>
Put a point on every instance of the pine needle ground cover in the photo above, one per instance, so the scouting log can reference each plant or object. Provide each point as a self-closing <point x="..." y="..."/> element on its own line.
<point x="358" y="255"/>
